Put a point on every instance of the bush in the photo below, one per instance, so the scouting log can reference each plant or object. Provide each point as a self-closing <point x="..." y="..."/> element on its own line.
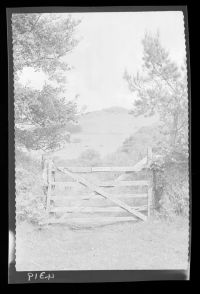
<point x="173" y="183"/>
<point x="31" y="209"/>
<point x="141" y="140"/>
<point x="177" y="190"/>
<point x="28" y="185"/>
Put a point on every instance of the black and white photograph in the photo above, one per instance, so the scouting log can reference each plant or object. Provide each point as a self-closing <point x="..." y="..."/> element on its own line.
<point x="101" y="128"/>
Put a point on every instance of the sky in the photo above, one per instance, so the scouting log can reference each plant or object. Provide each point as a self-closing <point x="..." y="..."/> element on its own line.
<point x="111" y="43"/>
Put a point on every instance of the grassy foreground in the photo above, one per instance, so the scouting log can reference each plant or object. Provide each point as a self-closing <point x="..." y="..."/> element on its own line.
<point x="156" y="244"/>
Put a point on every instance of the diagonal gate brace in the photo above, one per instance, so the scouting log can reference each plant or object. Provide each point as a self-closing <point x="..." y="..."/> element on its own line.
<point x="101" y="192"/>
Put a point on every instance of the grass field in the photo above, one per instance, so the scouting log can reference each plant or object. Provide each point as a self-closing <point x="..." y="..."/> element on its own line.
<point x="151" y="245"/>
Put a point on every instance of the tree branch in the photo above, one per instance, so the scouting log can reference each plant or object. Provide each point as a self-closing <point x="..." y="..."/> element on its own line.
<point x="33" y="26"/>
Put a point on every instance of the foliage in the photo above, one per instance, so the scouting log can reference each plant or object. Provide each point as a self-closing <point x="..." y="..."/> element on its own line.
<point x="41" y="41"/>
<point x="29" y="197"/>
<point x="42" y="108"/>
<point x="162" y="88"/>
<point x="46" y="138"/>
<point x="30" y="209"/>
<point x="175" y="200"/>
<point x="170" y="177"/>
<point x="41" y="117"/>
<point x="171" y="188"/>
<point x="136" y="145"/>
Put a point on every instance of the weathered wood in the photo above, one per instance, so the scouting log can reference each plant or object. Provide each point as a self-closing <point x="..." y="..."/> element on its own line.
<point x="141" y="165"/>
<point x="150" y="190"/>
<point x="87" y="202"/>
<point x="105" y="184"/>
<point x="104" y="194"/>
<point x="149" y="155"/>
<point x="74" y="197"/>
<point x="93" y="202"/>
<point x="93" y="196"/>
<point x="66" y="184"/>
<point x="93" y="209"/>
<point x="123" y="183"/>
<point x="86" y="209"/>
<point x="49" y="189"/>
<point x="149" y="201"/>
<point x="102" y="169"/>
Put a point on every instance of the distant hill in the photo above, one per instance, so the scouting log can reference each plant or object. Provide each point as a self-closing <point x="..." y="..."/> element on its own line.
<point x="113" y="120"/>
<point x="116" y="109"/>
<point x="103" y="131"/>
<point x="113" y="109"/>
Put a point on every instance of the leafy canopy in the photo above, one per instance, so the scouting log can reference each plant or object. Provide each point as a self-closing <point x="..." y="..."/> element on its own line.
<point x="41" y="41"/>
<point x="161" y="88"/>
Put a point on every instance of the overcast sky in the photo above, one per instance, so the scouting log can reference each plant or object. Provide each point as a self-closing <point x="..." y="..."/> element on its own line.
<point x="111" y="42"/>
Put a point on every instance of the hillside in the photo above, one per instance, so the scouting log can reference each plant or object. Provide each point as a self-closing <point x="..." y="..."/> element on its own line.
<point x="112" y="120"/>
<point x="104" y="131"/>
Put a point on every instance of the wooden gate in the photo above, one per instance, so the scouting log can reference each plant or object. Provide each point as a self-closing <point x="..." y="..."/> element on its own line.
<point x="100" y="204"/>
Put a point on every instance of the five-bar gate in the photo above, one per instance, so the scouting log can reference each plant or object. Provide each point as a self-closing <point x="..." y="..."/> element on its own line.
<point x="100" y="203"/>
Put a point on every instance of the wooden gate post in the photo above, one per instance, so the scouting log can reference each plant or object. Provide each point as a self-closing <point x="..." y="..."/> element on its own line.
<point x="49" y="186"/>
<point x="149" y="155"/>
<point x="149" y="200"/>
<point x="150" y="186"/>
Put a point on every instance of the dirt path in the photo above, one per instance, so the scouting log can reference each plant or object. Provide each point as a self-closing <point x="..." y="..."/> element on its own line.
<point x="152" y="245"/>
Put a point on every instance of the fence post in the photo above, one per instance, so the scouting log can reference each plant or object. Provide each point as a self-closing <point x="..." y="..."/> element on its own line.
<point x="149" y="203"/>
<point x="49" y="187"/>
<point x="149" y="155"/>
<point x="150" y="189"/>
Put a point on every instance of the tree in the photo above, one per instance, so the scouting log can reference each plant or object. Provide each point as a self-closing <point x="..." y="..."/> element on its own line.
<point x="41" y="41"/>
<point x="162" y="88"/>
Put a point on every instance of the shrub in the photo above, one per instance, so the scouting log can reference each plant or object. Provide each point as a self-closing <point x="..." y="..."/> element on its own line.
<point x="28" y="185"/>
<point x="176" y="190"/>
<point x="31" y="209"/>
<point x="172" y="190"/>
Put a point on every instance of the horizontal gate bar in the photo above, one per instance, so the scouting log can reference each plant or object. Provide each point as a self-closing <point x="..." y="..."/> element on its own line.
<point x="96" y="189"/>
<point x="87" y="197"/>
<point x="93" y="209"/>
<point x="102" y="169"/>
<point x="105" y="184"/>
<point x="92" y="202"/>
